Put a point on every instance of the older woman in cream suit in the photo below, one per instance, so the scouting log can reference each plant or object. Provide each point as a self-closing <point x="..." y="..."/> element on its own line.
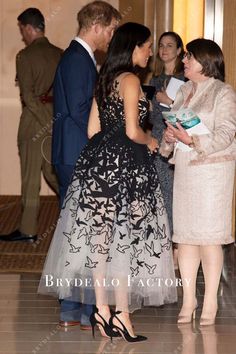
<point x="204" y="175"/>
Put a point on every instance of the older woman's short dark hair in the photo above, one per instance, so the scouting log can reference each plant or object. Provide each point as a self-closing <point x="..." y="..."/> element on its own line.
<point x="210" y="56"/>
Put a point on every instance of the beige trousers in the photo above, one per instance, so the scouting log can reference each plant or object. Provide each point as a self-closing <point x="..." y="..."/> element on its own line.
<point x="35" y="156"/>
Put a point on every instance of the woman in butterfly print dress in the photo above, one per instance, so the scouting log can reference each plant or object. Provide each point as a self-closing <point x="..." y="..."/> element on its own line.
<point x="112" y="239"/>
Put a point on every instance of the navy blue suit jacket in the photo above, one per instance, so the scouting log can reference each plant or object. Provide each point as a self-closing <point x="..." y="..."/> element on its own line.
<point x="73" y="92"/>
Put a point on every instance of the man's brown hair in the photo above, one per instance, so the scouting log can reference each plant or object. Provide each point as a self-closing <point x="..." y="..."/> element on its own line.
<point x="97" y="12"/>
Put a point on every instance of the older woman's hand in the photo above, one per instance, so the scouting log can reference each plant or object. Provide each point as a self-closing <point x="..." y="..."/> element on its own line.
<point x="169" y="136"/>
<point x="178" y="133"/>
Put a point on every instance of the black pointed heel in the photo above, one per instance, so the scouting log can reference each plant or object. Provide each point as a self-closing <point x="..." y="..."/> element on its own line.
<point x="123" y="331"/>
<point x="108" y="330"/>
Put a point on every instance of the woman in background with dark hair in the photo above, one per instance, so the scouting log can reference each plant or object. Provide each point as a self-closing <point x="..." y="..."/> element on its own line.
<point x="112" y="237"/>
<point x="169" y="64"/>
<point x="204" y="174"/>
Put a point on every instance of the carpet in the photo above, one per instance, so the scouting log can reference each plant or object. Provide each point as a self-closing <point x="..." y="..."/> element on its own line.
<point x="20" y="257"/>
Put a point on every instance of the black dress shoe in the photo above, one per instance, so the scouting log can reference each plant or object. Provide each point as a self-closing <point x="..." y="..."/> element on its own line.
<point x="18" y="236"/>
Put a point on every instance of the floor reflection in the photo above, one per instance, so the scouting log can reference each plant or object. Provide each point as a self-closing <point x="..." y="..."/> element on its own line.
<point x="209" y="338"/>
<point x="190" y="333"/>
<point x="118" y="346"/>
<point x="189" y="336"/>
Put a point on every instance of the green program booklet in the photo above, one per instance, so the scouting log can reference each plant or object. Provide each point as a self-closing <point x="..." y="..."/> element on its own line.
<point x="185" y="116"/>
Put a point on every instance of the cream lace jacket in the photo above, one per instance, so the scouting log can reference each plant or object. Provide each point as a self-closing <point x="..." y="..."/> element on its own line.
<point x="215" y="104"/>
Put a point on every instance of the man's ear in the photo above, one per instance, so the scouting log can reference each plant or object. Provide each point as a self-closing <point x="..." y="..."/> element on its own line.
<point x="32" y="30"/>
<point x="28" y="27"/>
<point x="97" y="28"/>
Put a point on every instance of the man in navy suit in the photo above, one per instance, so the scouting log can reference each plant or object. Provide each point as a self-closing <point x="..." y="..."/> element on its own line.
<point x="73" y="92"/>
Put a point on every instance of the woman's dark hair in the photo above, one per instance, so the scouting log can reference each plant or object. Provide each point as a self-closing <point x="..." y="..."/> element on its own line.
<point x="119" y="56"/>
<point x="33" y="17"/>
<point x="210" y="56"/>
<point x="179" y="67"/>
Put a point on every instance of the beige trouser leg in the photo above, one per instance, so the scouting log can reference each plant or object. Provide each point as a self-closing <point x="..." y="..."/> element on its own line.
<point x="32" y="162"/>
<point x="47" y="168"/>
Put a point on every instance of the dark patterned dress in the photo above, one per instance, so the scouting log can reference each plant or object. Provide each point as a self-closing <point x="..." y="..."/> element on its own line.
<point x="164" y="169"/>
<point x="112" y="235"/>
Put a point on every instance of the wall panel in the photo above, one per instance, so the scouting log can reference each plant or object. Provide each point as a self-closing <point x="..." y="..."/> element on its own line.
<point x="229" y="50"/>
<point x="132" y="10"/>
<point x="229" y="42"/>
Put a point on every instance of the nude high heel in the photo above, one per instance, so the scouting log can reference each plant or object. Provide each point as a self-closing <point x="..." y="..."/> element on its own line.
<point x="209" y="320"/>
<point x="187" y="318"/>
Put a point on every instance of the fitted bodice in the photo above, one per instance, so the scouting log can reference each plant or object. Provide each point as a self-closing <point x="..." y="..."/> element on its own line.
<point x="112" y="114"/>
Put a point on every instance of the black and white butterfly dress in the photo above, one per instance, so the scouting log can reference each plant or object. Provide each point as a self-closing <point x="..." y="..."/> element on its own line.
<point x="112" y="235"/>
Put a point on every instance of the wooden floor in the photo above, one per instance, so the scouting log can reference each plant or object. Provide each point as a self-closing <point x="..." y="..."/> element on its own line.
<point x="29" y="322"/>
